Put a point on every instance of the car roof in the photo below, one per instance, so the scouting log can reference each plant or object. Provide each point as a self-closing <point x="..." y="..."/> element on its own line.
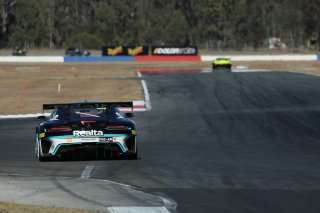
<point x="228" y="59"/>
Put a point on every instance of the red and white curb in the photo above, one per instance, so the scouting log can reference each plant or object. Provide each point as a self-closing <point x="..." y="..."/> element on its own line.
<point x="138" y="106"/>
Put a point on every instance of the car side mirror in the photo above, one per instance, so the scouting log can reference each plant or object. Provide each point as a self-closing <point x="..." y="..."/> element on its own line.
<point x="41" y="117"/>
<point x="129" y="115"/>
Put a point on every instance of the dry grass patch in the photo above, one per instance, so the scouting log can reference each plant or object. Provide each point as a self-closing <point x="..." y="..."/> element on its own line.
<point x="25" y="87"/>
<point x="21" y="208"/>
<point x="308" y="67"/>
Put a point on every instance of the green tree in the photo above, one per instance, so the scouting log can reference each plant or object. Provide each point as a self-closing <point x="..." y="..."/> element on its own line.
<point x="84" y="40"/>
<point x="292" y="23"/>
<point x="191" y="10"/>
<point x="311" y="15"/>
<point x="217" y="24"/>
<point x="175" y="31"/>
<point x="29" y="26"/>
<point x="212" y="22"/>
<point x="6" y="14"/>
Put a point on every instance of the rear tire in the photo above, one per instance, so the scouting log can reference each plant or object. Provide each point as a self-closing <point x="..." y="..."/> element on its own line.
<point x="133" y="156"/>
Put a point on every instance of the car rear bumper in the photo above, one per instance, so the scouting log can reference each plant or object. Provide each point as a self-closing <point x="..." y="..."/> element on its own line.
<point x="108" y="144"/>
<point x="84" y="150"/>
<point x="221" y="66"/>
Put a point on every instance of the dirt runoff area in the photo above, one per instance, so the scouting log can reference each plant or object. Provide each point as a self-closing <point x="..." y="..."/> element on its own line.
<point x="25" y="87"/>
<point x="305" y="67"/>
<point x="21" y="208"/>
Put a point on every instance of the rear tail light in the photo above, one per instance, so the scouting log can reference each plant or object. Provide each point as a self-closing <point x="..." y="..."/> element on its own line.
<point x="117" y="127"/>
<point x="59" y="128"/>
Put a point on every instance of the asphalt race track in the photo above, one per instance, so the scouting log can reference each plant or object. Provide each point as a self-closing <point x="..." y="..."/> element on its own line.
<point x="213" y="142"/>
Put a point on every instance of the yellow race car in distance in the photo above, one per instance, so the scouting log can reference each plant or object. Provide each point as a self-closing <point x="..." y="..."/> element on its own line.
<point x="221" y="63"/>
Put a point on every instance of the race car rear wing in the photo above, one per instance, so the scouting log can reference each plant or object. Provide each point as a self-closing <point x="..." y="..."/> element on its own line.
<point x="128" y="106"/>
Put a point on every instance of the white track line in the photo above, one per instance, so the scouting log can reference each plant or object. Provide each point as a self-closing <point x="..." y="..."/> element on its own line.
<point x="146" y="92"/>
<point x="137" y="209"/>
<point x="250" y="70"/>
<point x="139" y="74"/>
<point x="146" y="95"/>
<point x="86" y="173"/>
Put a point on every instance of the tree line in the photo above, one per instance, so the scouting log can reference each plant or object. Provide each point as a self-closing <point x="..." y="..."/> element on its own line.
<point x="212" y="24"/>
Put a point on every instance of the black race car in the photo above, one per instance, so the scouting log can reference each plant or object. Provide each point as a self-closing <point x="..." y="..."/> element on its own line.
<point x="19" y="52"/>
<point x="77" y="52"/>
<point x="82" y="129"/>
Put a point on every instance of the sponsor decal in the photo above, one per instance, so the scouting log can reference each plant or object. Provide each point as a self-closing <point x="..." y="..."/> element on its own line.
<point x="134" y="132"/>
<point x="131" y="50"/>
<point x="84" y="133"/>
<point x="174" y="51"/>
<point x="167" y="50"/>
<point x="135" y="51"/>
<point x="69" y="140"/>
<point x="115" y="51"/>
<point x="108" y="139"/>
<point x="85" y="140"/>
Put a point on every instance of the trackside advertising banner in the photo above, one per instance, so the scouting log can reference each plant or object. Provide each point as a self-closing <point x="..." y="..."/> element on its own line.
<point x="112" y="51"/>
<point x="174" y="50"/>
<point x="137" y="50"/>
<point x="124" y="50"/>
